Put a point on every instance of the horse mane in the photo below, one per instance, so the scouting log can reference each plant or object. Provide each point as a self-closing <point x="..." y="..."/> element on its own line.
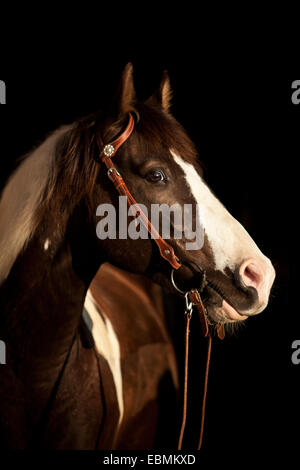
<point x="58" y="172"/>
<point x="75" y="168"/>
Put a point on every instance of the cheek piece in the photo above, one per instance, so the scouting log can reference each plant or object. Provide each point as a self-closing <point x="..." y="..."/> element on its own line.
<point x="108" y="152"/>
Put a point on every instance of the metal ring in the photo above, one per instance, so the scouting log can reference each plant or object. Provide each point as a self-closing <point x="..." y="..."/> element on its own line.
<point x="174" y="284"/>
<point x="185" y="264"/>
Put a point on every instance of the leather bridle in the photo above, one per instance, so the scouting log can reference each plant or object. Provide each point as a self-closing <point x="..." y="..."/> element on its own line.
<point x="192" y="297"/>
<point x="106" y="155"/>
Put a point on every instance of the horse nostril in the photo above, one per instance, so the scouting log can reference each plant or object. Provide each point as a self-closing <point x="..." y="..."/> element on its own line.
<point x="252" y="274"/>
<point x="250" y="277"/>
<point x="259" y="274"/>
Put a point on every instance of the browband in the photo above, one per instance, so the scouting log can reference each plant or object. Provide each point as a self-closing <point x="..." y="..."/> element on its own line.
<point x="108" y="151"/>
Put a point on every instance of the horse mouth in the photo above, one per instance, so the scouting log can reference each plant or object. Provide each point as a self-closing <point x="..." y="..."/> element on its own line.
<point x="219" y="308"/>
<point x="230" y="312"/>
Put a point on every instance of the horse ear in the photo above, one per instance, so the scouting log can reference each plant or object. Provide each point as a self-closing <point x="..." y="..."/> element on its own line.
<point x="126" y="93"/>
<point x="163" y="95"/>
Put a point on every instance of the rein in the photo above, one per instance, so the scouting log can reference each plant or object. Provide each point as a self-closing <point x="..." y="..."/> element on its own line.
<point x="192" y="297"/>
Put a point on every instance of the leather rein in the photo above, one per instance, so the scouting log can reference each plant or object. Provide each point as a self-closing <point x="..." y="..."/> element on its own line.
<point x="192" y="297"/>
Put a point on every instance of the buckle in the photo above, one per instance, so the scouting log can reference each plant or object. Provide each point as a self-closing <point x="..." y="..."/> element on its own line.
<point x="109" y="173"/>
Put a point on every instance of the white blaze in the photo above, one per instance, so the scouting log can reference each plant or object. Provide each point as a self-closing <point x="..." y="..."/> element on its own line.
<point x="229" y="241"/>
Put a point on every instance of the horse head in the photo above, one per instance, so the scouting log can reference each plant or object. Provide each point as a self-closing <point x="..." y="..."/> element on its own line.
<point x="160" y="165"/>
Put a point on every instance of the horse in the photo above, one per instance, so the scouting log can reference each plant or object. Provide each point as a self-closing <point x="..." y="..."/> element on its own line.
<point x="66" y="383"/>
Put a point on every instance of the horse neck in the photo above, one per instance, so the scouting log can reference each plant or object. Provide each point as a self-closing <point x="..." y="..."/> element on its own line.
<point x="43" y="296"/>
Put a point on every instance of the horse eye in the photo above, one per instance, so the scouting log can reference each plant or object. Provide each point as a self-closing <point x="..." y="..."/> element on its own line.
<point x="155" y="176"/>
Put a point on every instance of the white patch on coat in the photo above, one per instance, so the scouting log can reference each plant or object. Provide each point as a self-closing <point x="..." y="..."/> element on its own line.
<point x="20" y="199"/>
<point x="107" y="345"/>
<point x="47" y="244"/>
<point x="229" y="241"/>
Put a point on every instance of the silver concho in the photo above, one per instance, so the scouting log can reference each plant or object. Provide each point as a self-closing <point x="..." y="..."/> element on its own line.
<point x="108" y="150"/>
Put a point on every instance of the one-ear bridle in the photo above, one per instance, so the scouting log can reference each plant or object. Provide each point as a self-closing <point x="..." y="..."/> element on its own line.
<point x="107" y="153"/>
<point x="192" y="296"/>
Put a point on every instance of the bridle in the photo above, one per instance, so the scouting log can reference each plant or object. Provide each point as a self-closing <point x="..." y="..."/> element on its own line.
<point x="106" y="155"/>
<point x="192" y="296"/>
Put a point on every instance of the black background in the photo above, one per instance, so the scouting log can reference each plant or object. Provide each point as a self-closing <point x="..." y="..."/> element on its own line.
<point x="245" y="128"/>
